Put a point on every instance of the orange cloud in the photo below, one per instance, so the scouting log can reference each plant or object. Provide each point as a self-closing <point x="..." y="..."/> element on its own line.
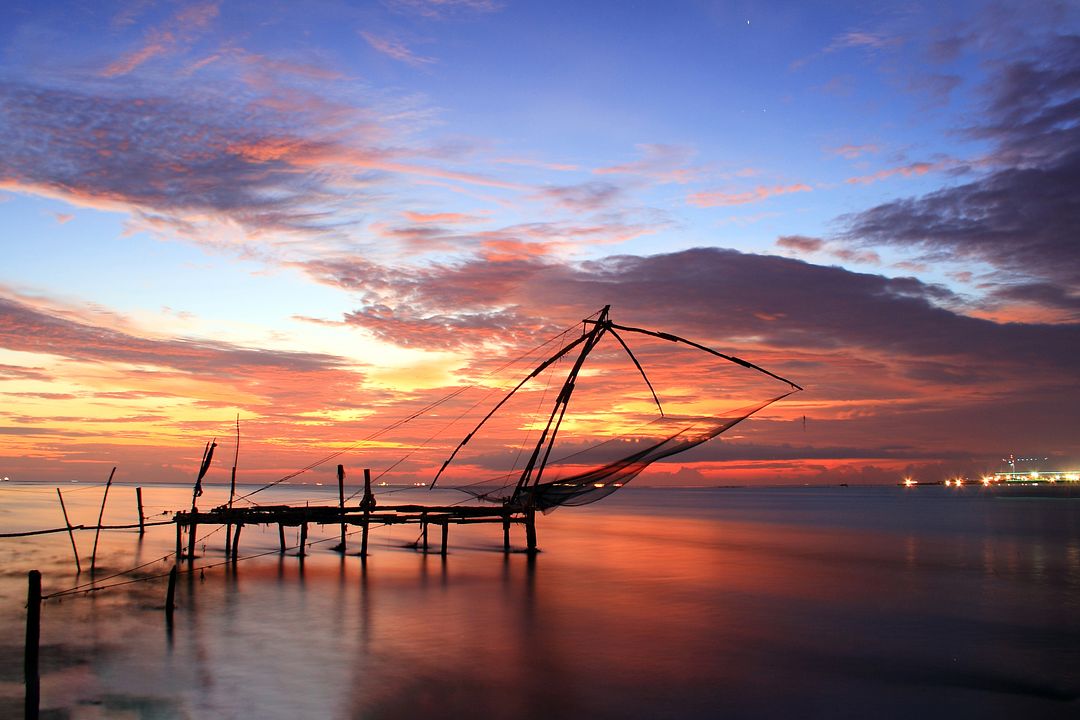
<point x="451" y="218"/>
<point x="912" y="170"/>
<point x="761" y="192"/>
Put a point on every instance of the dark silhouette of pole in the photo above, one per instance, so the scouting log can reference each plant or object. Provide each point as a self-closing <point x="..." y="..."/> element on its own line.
<point x="341" y="502"/>
<point x="33" y="637"/>
<point x="142" y="518"/>
<point x="101" y="514"/>
<point x="71" y="534"/>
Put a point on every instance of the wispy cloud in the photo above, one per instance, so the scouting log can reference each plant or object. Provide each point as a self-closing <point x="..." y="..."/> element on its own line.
<point x="173" y="35"/>
<point x="854" y="152"/>
<point x="396" y="50"/>
<point x="716" y="198"/>
<point x="437" y="9"/>
<point x="658" y="162"/>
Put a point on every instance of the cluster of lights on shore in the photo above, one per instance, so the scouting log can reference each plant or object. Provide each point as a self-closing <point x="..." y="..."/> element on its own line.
<point x="1010" y="477"/>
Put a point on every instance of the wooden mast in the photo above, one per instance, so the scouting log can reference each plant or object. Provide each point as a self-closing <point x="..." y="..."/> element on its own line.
<point x="547" y="438"/>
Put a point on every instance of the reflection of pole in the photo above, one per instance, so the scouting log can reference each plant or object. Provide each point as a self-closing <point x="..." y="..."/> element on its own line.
<point x="33" y="637"/>
<point x="170" y="596"/>
<point x="71" y="534"/>
<point x="101" y="514"/>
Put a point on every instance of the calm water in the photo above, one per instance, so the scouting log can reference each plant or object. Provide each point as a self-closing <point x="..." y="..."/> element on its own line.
<point x="823" y="602"/>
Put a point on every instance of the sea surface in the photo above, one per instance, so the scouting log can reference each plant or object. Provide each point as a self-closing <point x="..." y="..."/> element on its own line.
<point x="842" y="602"/>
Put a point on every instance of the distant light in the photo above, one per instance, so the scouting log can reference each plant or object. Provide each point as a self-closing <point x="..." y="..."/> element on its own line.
<point x="598" y="485"/>
<point x="986" y="480"/>
<point x="948" y="482"/>
<point x="959" y="482"/>
<point x="908" y="482"/>
<point x="1034" y="475"/>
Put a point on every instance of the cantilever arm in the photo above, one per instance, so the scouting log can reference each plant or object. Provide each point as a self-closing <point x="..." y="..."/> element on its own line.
<point x="641" y="370"/>
<point x="730" y="358"/>
<point x="539" y="369"/>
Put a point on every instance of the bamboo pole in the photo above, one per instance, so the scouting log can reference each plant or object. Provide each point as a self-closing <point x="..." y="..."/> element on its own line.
<point x="236" y="541"/>
<point x="232" y="490"/>
<point x="33" y="638"/>
<point x="71" y="533"/>
<point x="341" y="502"/>
<point x="101" y="514"/>
<point x="530" y="530"/>
<point x="142" y="518"/>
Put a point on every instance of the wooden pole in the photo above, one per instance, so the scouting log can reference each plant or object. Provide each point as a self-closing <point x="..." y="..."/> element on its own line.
<point x="341" y="502"/>
<point x="281" y="536"/>
<point x="71" y="534"/>
<point x="445" y="536"/>
<point x="506" y="533"/>
<point x="101" y="514"/>
<point x="423" y="528"/>
<point x="33" y="637"/>
<point x="191" y="541"/>
<point x="364" y="534"/>
<point x="530" y="530"/>
<point x="229" y="544"/>
<point x="142" y="518"/>
<point x="179" y="539"/>
<point x="303" y="538"/>
<point x="170" y="596"/>
<point x="236" y="541"/>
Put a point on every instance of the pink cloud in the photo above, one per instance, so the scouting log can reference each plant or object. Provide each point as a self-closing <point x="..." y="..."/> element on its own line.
<point x="662" y="163"/>
<point x="852" y="152"/>
<point x="912" y="170"/>
<point x="396" y="50"/>
<point x="177" y="32"/>
<point x="761" y="192"/>
<point x="450" y="218"/>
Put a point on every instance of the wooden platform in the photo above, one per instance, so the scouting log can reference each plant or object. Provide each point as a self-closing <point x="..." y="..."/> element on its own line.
<point x="366" y="518"/>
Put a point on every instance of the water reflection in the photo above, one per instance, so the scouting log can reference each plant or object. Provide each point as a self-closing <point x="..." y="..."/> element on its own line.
<point x="743" y="604"/>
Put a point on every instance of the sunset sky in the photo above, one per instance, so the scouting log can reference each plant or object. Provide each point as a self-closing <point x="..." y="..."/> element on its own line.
<point x="322" y="216"/>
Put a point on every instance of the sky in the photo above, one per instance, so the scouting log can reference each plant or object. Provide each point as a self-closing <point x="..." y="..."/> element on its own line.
<point x="320" y="218"/>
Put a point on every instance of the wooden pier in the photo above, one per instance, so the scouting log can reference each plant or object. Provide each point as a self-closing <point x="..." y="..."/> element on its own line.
<point x="365" y="518"/>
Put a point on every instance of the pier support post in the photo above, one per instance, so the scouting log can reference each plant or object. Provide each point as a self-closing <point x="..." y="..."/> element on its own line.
<point x="33" y="637"/>
<point x="530" y="530"/>
<point x="179" y="538"/>
<point x="191" y="542"/>
<point x="228" y="539"/>
<point x="423" y="529"/>
<point x="341" y="503"/>
<point x="506" y="533"/>
<point x="281" y="536"/>
<point x="445" y="536"/>
<point x="142" y="517"/>
<point x="236" y="541"/>
<point x="364" y="534"/>
<point x="303" y="539"/>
